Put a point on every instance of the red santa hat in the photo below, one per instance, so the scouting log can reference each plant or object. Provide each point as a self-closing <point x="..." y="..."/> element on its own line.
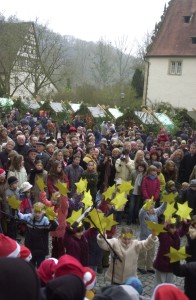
<point x="2" y="172"/>
<point x="46" y="269"/>
<point x="8" y="247"/>
<point x="68" y="264"/>
<point x="25" y="253"/>
<point x="89" y="278"/>
<point x="168" y="291"/>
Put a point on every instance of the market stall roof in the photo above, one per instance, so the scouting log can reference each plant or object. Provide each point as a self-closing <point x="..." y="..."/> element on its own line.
<point x="192" y="114"/>
<point x="6" y="101"/>
<point x="32" y="103"/>
<point x="146" y="118"/>
<point x="75" y="106"/>
<point x="115" y="112"/>
<point x="164" y="119"/>
<point x="57" y="106"/>
<point x="97" y="112"/>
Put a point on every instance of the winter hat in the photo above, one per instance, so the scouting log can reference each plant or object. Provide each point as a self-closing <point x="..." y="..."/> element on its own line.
<point x="12" y="179"/>
<point x="168" y="291"/>
<point x="170" y="183"/>
<point x="136" y="283"/>
<point x="25" y="186"/>
<point x="2" y="172"/>
<point x="8" y="247"/>
<point x="65" y="288"/>
<point x="90" y="279"/>
<point x="113" y="292"/>
<point x="46" y="269"/>
<point x="25" y="253"/>
<point x="68" y="264"/>
<point x="71" y="129"/>
<point x="193" y="183"/>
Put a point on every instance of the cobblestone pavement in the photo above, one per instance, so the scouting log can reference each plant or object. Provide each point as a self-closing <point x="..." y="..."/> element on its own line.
<point x="147" y="279"/>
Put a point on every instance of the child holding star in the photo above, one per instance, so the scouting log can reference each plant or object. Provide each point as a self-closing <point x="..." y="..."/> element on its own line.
<point x="148" y="213"/>
<point x="169" y="238"/>
<point x="60" y="205"/>
<point x="128" y="250"/>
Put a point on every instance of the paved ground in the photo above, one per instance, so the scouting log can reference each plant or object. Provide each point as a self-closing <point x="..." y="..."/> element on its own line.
<point x="147" y="279"/>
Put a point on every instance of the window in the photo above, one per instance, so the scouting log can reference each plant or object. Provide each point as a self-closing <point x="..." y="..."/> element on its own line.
<point x="193" y="40"/>
<point x="187" y="19"/>
<point x="175" y="68"/>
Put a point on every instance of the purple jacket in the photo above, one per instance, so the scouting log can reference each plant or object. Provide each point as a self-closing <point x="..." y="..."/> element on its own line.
<point x="167" y="240"/>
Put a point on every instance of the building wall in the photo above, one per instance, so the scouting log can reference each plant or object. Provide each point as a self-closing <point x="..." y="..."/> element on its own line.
<point x="179" y="90"/>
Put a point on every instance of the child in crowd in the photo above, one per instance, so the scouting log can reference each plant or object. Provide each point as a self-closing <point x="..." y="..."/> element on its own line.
<point x="135" y="200"/>
<point x="10" y="213"/>
<point x="128" y="250"/>
<point x="60" y="204"/>
<point x="160" y="176"/>
<point x="92" y="178"/>
<point x="151" y="184"/>
<point x="170" y="238"/>
<point x="76" y="243"/>
<point x="25" y="197"/>
<point x="36" y="234"/>
<point x="35" y="173"/>
<point x="148" y="213"/>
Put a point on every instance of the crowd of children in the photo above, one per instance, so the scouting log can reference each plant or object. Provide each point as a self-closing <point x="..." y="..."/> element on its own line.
<point x="148" y="165"/>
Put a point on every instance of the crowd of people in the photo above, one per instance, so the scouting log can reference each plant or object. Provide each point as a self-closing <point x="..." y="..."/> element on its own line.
<point x="105" y="155"/>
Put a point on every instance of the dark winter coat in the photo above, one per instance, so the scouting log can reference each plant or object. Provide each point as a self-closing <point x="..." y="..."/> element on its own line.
<point x="186" y="166"/>
<point x="189" y="272"/>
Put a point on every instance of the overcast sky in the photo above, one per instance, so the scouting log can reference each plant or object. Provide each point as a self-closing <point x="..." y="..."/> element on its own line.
<point x="91" y="20"/>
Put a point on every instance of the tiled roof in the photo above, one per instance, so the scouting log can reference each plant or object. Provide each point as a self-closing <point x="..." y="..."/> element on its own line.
<point x="175" y="35"/>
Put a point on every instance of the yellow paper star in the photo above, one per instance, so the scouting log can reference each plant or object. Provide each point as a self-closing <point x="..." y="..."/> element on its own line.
<point x="108" y="222"/>
<point x="119" y="200"/>
<point x="81" y="185"/>
<point x="184" y="211"/>
<point x="13" y="202"/>
<point x="169" y="211"/>
<point x="40" y="183"/>
<point x="169" y="198"/>
<point x="176" y="255"/>
<point x="97" y="218"/>
<point x="109" y="192"/>
<point x="62" y="187"/>
<point x="148" y="204"/>
<point x="87" y="200"/>
<point x="157" y="228"/>
<point x="74" y="216"/>
<point x="125" y="186"/>
<point x="50" y="213"/>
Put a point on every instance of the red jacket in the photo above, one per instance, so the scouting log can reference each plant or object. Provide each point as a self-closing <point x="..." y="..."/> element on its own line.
<point x="150" y="187"/>
<point x="61" y="210"/>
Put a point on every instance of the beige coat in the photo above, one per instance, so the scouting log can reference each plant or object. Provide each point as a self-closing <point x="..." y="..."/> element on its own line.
<point x="124" y="169"/>
<point x="128" y="255"/>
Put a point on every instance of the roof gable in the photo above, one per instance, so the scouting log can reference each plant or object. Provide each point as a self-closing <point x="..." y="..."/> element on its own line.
<point x="175" y="35"/>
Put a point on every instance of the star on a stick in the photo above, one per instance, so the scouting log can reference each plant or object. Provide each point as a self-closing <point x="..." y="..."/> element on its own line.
<point x="176" y="255"/>
<point x="125" y="187"/>
<point x="119" y="200"/>
<point x="96" y="219"/>
<point x="40" y="183"/>
<point x="109" y="192"/>
<point x="13" y="202"/>
<point x="74" y="216"/>
<point x="50" y="213"/>
<point x="108" y="222"/>
<point x="62" y="187"/>
<point x="169" y="198"/>
<point x="157" y="228"/>
<point x="87" y="200"/>
<point x="184" y="211"/>
<point x="169" y="211"/>
<point x="81" y="185"/>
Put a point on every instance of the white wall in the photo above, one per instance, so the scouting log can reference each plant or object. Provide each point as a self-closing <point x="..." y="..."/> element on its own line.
<point x="179" y="90"/>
